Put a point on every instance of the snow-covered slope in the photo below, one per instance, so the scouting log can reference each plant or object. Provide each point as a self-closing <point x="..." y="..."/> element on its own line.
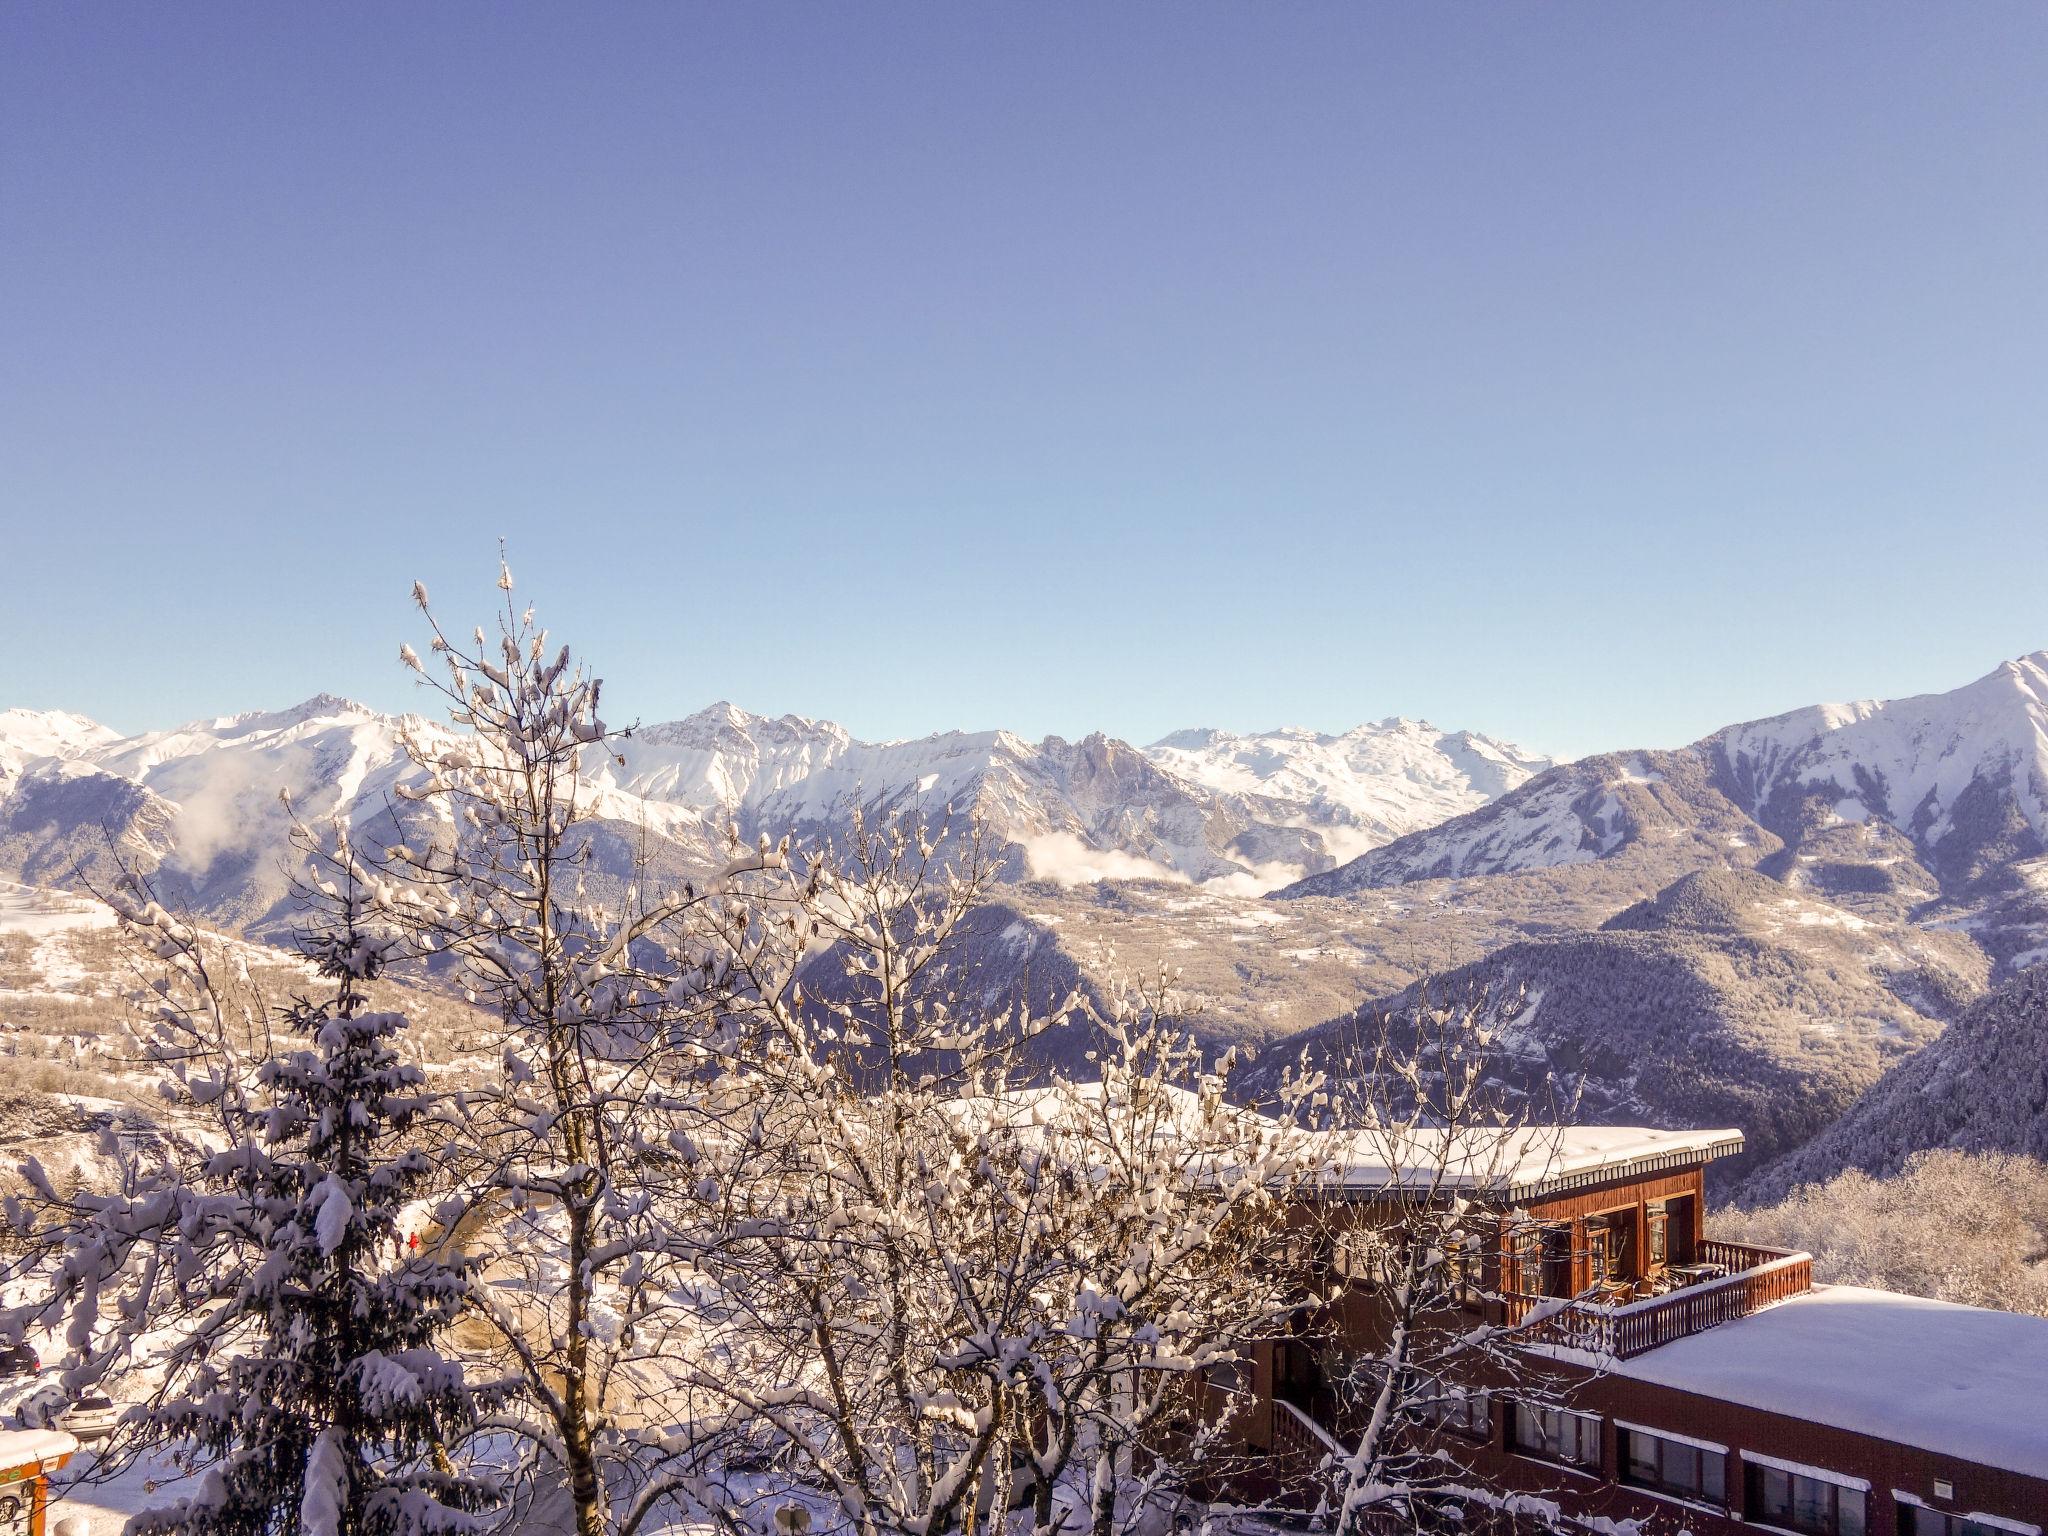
<point x="51" y="733"/>
<point x="1198" y="806"/>
<point x="29" y="734"/>
<point x="1928" y="793"/>
<point x="1963" y="774"/>
<point x="202" y="805"/>
<point x="1071" y="810"/>
<point x="723" y="759"/>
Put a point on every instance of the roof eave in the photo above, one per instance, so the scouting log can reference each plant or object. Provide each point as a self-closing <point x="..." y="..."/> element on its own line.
<point x="1522" y="1192"/>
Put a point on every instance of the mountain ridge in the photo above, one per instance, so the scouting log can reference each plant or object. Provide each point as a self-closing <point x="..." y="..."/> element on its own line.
<point x="200" y="797"/>
<point x="1923" y="805"/>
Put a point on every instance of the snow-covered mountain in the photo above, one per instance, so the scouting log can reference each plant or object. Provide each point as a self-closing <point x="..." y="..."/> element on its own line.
<point x="1355" y="791"/>
<point x="1813" y="895"/>
<point x="1070" y="810"/>
<point x="201" y="802"/>
<point x="28" y="734"/>
<point x="1921" y="795"/>
<point x="1199" y="805"/>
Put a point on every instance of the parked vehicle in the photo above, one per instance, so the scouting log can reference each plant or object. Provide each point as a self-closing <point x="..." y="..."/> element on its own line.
<point x="92" y="1415"/>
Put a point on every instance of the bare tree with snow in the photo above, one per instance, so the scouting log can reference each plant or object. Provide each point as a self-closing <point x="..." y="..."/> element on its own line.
<point x="949" y="1292"/>
<point x="571" y="1168"/>
<point x="1426" y="1142"/>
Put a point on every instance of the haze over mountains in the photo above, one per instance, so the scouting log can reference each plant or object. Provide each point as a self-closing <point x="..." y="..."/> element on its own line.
<point x="1753" y="929"/>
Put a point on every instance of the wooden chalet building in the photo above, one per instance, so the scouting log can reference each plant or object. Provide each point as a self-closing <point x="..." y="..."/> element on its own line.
<point x="1697" y="1385"/>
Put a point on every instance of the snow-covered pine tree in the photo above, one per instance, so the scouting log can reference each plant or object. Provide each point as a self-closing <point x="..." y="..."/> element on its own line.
<point x="301" y="1374"/>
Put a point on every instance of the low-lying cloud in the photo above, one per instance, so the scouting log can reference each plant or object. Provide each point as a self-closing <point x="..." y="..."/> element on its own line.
<point x="1064" y="859"/>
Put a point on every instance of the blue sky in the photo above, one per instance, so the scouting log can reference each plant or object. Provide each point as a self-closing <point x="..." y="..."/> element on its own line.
<point x="1589" y="375"/>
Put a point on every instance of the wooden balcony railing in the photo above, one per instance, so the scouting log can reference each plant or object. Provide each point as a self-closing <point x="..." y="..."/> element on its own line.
<point x="1296" y="1434"/>
<point x="1757" y="1278"/>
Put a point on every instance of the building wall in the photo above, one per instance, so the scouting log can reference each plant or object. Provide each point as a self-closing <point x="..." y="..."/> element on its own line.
<point x="1887" y="1467"/>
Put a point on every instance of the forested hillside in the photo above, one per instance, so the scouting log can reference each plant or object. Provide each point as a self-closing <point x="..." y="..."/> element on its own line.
<point x="1981" y="1087"/>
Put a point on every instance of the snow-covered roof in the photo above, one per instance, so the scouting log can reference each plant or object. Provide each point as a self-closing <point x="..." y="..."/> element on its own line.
<point x="34" y="1447"/>
<point x="1530" y="1162"/>
<point x="1957" y="1381"/>
<point x="1514" y="1165"/>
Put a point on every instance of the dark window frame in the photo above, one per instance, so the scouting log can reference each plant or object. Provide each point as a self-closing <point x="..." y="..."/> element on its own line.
<point x="1756" y="1474"/>
<point x="1657" y="1235"/>
<point x="1671" y="1454"/>
<point x="1585" y="1425"/>
<point x="1919" y="1520"/>
<point x="1455" y="1411"/>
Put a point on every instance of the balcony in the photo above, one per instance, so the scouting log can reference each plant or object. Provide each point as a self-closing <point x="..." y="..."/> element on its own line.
<point x="1623" y="1324"/>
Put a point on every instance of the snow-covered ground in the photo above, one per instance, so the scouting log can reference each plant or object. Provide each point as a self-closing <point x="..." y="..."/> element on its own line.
<point x="147" y="1483"/>
<point x="48" y="919"/>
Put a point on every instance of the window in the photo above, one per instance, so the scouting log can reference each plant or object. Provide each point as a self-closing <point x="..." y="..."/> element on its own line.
<point x="1556" y="1434"/>
<point x="1458" y="1271"/>
<point x="1543" y="1260"/>
<point x="1457" y="1411"/>
<point x="1314" y="1252"/>
<point x="1799" y="1502"/>
<point x="1608" y="1241"/>
<point x="1678" y="1213"/>
<point x="1919" y="1520"/>
<point x="1665" y="1465"/>
<point x="1660" y="1236"/>
<point x="1356" y="1257"/>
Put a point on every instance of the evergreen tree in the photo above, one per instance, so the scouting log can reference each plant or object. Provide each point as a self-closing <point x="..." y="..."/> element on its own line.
<point x="304" y="1374"/>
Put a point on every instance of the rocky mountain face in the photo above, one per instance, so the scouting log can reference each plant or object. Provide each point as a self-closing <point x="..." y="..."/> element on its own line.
<point x="201" y="808"/>
<point x="1347" y="793"/>
<point x="1754" y="928"/>
<point x="199" y="804"/>
<point x="1936" y="789"/>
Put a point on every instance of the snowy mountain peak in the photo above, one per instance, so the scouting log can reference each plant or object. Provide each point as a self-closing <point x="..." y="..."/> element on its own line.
<point x="321" y="706"/>
<point x="33" y="733"/>
<point x="2026" y="677"/>
<point x="728" y="723"/>
<point x="1255" y="811"/>
<point x="1194" y="739"/>
<point x="1959" y="780"/>
<point x="1920" y="763"/>
<point x="1375" y="782"/>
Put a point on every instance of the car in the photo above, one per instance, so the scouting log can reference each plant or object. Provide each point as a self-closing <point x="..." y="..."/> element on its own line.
<point x="90" y="1415"/>
<point x="19" y="1360"/>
